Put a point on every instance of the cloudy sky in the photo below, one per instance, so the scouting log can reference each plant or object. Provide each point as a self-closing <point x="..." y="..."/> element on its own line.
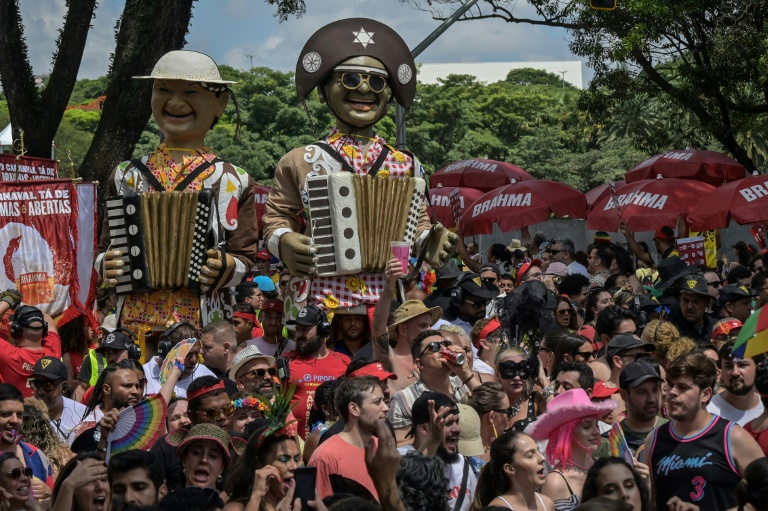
<point x="230" y="29"/>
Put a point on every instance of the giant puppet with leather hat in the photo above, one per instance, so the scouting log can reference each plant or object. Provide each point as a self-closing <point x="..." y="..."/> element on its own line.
<point x="360" y="193"/>
<point x="209" y="229"/>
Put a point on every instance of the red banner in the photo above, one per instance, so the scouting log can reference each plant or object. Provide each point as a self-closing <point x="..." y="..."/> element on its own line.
<point x="25" y="168"/>
<point x="38" y="243"/>
<point x="758" y="232"/>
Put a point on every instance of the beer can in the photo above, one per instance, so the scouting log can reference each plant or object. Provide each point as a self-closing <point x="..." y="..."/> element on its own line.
<point x="455" y="358"/>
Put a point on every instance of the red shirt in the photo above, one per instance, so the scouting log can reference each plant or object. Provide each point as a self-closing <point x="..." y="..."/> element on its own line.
<point x="309" y="373"/>
<point x="17" y="364"/>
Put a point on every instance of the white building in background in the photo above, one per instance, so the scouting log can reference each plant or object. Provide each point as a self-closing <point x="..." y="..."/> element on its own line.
<point x="490" y="72"/>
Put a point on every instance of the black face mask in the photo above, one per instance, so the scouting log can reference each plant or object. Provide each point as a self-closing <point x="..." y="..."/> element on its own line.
<point x="525" y="369"/>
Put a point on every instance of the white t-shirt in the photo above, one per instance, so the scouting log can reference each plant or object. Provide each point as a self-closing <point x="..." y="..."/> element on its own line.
<point x="719" y="406"/>
<point x="269" y="349"/>
<point x="481" y="367"/>
<point x="454" y="472"/>
<point x="71" y="416"/>
<point x="152" y="372"/>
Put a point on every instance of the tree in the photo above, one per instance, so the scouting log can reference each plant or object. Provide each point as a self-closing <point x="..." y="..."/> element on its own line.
<point x="705" y="57"/>
<point x="146" y="30"/>
<point x="531" y="76"/>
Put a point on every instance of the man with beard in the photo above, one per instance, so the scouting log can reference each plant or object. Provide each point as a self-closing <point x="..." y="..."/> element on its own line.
<point x="272" y="343"/>
<point x="692" y="320"/>
<point x="351" y="331"/>
<point x="435" y="430"/>
<point x="697" y="457"/>
<point x="470" y="296"/>
<point x="312" y="363"/>
<point x="640" y="385"/>
<point x="253" y="371"/>
<point x="361" y="405"/>
<point x="739" y="402"/>
<point x="135" y="479"/>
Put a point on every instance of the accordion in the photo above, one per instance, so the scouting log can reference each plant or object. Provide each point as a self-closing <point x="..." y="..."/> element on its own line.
<point x="163" y="237"/>
<point x="353" y="219"/>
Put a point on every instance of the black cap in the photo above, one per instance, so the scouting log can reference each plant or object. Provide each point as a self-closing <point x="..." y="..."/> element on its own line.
<point x="116" y="340"/>
<point x="449" y="271"/>
<point x="636" y="373"/>
<point x="473" y="285"/>
<point x="308" y="316"/>
<point x="624" y="342"/>
<point x="26" y="315"/>
<point x="51" y="368"/>
<point x="420" y="408"/>
<point x="670" y="270"/>
<point x="694" y="284"/>
<point x="490" y="267"/>
<point x="733" y="292"/>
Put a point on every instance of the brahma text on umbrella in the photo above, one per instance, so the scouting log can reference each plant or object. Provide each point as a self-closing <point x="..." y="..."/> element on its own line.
<point x="475" y="164"/>
<point x="444" y="200"/>
<point x="754" y="192"/>
<point x="648" y="200"/>
<point x="501" y="201"/>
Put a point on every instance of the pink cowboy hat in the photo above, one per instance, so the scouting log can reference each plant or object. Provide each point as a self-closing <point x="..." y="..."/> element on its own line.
<point x="571" y="404"/>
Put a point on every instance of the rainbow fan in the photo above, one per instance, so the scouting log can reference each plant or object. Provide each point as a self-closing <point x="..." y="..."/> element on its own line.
<point x="618" y="443"/>
<point x="138" y="426"/>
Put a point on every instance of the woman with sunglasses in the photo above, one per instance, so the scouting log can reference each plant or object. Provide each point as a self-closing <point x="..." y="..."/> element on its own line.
<point x="574" y="348"/>
<point x="492" y="405"/>
<point x="16" y="483"/>
<point x="513" y="476"/>
<point x="204" y="451"/>
<point x="517" y="372"/>
<point x="82" y="485"/>
<point x="565" y="315"/>
<point x="570" y="426"/>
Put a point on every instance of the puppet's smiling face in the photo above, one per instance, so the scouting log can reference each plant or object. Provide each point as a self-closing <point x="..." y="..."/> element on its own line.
<point x="185" y="111"/>
<point x="358" y="106"/>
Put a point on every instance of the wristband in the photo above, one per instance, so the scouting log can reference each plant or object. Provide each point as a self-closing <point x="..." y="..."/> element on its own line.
<point x="179" y="365"/>
<point x="468" y="379"/>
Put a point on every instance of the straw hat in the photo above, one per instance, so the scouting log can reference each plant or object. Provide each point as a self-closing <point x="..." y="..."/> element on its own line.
<point x="245" y="355"/>
<point x="187" y="65"/>
<point x="571" y="404"/>
<point x="409" y="310"/>
<point x="182" y="438"/>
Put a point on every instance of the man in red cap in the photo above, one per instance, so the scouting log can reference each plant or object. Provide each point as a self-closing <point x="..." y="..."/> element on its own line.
<point x="272" y="343"/>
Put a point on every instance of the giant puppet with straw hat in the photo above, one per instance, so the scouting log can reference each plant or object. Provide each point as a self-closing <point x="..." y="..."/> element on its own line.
<point x="360" y="193"/>
<point x="180" y="224"/>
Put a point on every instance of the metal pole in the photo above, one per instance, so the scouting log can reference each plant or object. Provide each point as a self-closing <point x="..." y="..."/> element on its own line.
<point x="399" y="110"/>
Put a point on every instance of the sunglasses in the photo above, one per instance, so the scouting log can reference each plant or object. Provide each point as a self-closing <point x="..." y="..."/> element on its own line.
<point x="637" y="356"/>
<point x="585" y="355"/>
<point x="213" y="413"/>
<point x="554" y="252"/>
<point x="44" y="385"/>
<point x="509" y="412"/>
<point x="477" y="305"/>
<point x="16" y="473"/>
<point x="352" y="81"/>
<point x="435" y="346"/>
<point x="714" y="284"/>
<point x="261" y="372"/>
<point x="284" y="283"/>
<point x="565" y="312"/>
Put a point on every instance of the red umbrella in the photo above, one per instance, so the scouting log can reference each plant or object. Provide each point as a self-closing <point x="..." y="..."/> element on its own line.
<point x="261" y="193"/>
<point x="648" y="205"/>
<point x="521" y="204"/>
<point x="598" y="192"/>
<point x="746" y="201"/>
<point x="440" y="200"/>
<point x="707" y="166"/>
<point x="480" y="174"/>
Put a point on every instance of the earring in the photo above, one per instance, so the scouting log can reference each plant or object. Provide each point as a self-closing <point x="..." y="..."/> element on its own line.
<point x="184" y="471"/>
<point x="219" y="479"/>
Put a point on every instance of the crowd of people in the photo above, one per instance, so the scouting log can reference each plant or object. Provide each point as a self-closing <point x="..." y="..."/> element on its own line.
<point x="495" y="388"/>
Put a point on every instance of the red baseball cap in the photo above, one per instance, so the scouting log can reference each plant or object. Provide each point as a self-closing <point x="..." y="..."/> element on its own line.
<point x="375" y="369"/>
<point x="664" y="232"/>
<point x="273" y="305"/>
<point x="601" y="390"/>
<point x="725" y="327"/>
<point x="264" y="254"/>
<point x="524" y="268"/>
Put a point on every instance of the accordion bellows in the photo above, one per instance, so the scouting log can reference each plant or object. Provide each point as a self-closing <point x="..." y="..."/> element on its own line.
<point x="353" y="219"/>
<point x="163" y="238"/>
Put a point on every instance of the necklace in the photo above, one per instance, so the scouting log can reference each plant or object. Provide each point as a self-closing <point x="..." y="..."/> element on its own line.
<point x="516" y="407"/>
<point x="182" y="149"/>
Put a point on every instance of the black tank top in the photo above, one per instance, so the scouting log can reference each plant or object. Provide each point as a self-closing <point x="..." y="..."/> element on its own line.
<point x="698" y="469"/>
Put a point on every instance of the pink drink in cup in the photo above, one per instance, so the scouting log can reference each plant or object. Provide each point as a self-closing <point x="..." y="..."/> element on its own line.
<point x="401" y="250"/>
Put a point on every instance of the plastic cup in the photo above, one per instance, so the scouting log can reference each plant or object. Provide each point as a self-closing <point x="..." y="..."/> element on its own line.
<point x="401" y="250"/>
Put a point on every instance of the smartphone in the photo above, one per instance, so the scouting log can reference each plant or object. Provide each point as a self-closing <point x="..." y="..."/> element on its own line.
<point x="305" y="478"/>
<point x="283" y="369"/>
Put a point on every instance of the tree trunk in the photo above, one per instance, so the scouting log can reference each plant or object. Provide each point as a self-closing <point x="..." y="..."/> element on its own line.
<point x="39" y="115"/>
<point x="148" y="30"/>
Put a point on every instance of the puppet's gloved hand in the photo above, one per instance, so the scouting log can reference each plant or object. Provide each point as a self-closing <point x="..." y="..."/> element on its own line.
<point x="113" y="267"/>
<point x="441" y="246"/>
<point x="12" y="297"/>
<point x="218" y="267"/>
<point x="297" y="254"/>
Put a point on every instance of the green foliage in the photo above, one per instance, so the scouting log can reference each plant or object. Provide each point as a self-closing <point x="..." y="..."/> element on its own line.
<point x="530" y="76"/>
<point x="86" y="90"/>
<point x="85" y="120"/>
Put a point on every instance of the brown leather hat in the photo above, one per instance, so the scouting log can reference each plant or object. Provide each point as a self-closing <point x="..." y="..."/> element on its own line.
<point x="355" y="37"/>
